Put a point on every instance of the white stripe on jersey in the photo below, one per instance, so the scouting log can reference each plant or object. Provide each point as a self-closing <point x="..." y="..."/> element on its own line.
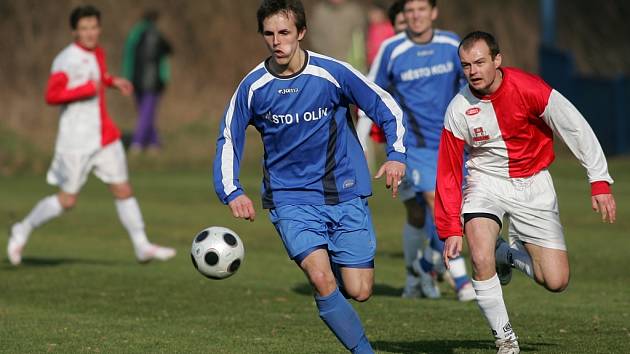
<point x="386" y="97"/>
<point x="446" y="40"/>
<point x="400" y="49"/>
<point x="376" y="63"/>
<point x="320" y="72"/>
<point x="256" y="85"/>
<point x="227" y="153"/>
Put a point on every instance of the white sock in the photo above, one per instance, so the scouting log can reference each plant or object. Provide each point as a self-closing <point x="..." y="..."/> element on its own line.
<point x="45" y="210"/>
<point x="516" y="255"/>
<point x="457" y="267"/>
<point x="490" y="301"/>
<point x="131" y="218"/>
<point x="413" y="239"/>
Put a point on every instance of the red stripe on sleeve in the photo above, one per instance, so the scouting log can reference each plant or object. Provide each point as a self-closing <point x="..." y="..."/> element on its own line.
<point x="448" y="191"/>
<point x="58" y="93"/>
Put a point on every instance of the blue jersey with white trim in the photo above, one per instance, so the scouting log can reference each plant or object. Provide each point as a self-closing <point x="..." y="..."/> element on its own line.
<point x="423" y="78"/>
<point x="311" y="152"/>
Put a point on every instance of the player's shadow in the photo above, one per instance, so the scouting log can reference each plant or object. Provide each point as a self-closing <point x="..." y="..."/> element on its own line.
<point x="436" y="346"/>
<point x="377" y="290"/>
<point x="35" y="262"/>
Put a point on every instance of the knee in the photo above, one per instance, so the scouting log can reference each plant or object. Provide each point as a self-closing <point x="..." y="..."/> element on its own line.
<point x="362" y="294"/>
<point x="122" y="190"/>
<point x="67" y="201"/>
<point x="557" y="284"/>
<point x="483" y="264"/>
<point x="323" y="282"/>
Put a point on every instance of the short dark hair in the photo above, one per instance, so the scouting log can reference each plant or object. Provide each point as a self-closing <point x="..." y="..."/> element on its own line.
<point x="271" y="7"/>
<point x="397" y="7"/>
<point x="82" y="11"/>
<point x="475" y="36"/>
<point x="433" y="3"/>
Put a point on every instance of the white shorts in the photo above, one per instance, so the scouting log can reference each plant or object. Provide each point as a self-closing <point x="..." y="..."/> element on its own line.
<point x="530" y="204"/>
<point x="69" y="171"/>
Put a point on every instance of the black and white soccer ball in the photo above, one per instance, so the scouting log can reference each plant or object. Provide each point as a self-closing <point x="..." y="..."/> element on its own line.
<point x="217" y="252"/>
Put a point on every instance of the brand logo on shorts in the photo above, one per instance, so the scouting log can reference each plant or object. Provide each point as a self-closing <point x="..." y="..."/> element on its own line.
<point x="349" y="183"/>
<point x="472" y="111"/>
<point x="287" y="91"/>
<point x="480" y="135"/>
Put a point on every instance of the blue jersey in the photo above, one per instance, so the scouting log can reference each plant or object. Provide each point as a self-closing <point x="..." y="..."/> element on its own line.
<point x="423" y="78"/>
<point x="311" y="152"/>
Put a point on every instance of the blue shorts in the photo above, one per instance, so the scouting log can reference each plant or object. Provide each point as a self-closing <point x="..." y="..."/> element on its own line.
<point x="344" y="229"/>
<point x="422" y="169"/>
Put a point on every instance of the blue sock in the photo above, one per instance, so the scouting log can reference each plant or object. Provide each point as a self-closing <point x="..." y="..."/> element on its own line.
<point x="426" y="266"/>
<point x="461" y="281"/>
<point x="343" y="321"/>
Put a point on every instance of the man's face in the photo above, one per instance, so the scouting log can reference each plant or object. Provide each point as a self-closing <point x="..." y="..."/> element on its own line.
<point x="419" y="15"/>
<point x="282" y="37"/>
<point x="88" y="32"/>
<point x="479" y="67"/>
<point x="400" y="24"/>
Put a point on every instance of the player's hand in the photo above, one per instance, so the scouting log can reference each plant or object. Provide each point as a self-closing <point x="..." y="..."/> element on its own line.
<point x="394" y="171"/>
<point x="452" y="249"/>
<point x="605" y="204"/>
<point x="123" y="85"/>
<point x="242" y="207"/>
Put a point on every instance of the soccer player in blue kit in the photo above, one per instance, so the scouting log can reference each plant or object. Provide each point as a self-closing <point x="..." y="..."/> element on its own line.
<point x="315" y="178"/>
<point x="420" y="68"/>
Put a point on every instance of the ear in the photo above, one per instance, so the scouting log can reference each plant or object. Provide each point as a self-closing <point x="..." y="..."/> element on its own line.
<point x="434" y="13"/>
<point x="498" y="59"/>
<point x="301" y="34"/>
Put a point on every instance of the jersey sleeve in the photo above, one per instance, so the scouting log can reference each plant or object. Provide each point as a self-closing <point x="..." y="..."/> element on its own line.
<point x="448" y="189"/>
<point x="58" y="90"/>
<point x="230" y="144"/>
<point x="380" y="106"/>
<point x="569" y="124"/>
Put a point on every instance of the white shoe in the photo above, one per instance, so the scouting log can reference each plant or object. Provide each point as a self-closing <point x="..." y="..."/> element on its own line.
<point x="466" y="293"/>
<point x="428" y="285"/>
<point x="503" y="260"/>
<point x="412" y="288"/>
<point x="152" y="251"/>
<point x="507" y="346"/>
<point x="16" y="244"/>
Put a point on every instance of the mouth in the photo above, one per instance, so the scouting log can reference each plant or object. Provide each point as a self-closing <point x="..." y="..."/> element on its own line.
<point x="476" y="80"/>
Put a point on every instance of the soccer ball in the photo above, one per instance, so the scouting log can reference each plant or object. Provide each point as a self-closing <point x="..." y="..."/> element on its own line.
<point x="217" y="252"/>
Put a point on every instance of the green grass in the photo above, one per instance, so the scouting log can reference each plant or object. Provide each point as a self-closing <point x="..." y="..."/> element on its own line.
<point x="80" y="290"/>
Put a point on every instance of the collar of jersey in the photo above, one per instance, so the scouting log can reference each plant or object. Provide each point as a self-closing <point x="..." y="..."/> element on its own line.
<point x="307" y="58"/>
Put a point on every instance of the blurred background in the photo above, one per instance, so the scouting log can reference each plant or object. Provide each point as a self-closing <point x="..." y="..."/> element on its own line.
<point x="586" y="56"/>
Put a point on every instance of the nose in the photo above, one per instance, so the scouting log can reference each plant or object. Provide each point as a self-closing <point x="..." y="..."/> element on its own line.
<point x="276" y="40"/>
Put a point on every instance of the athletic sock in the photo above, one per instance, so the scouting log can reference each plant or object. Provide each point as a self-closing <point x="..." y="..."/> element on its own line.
<point x="426" y="263"/>
<point x="517" y="257"/>
<point x="492" y="306"/>
<point x="45" y="210"/>
<point x="458" y="272"/>
<point x="131" y="218"/>
<point x="343" y="321"/>
<point x="413" y="239"/>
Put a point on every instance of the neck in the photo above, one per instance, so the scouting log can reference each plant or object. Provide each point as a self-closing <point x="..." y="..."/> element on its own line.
<point x="422" y="37"/>
<point x="294" y="65"/>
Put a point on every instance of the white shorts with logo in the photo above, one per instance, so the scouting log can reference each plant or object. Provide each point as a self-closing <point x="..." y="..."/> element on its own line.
<point x="530" y="204"/>
<point x="69" y="171"/>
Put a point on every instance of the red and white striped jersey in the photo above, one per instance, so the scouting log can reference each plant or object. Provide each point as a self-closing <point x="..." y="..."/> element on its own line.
<point x="509" y="134"/>
<point x="84" y="125"/>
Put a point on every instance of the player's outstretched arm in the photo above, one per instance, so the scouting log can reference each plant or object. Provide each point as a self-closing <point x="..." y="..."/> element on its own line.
<point x="394" y="172"/>
<point x="123" y="85"/>
<point x="452" y="249"/>
<point x="242" y="207"/>
<point x="605" y="205"/>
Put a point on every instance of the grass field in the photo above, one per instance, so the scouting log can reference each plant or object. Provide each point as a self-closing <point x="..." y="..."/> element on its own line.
<point x="80" y="289"/>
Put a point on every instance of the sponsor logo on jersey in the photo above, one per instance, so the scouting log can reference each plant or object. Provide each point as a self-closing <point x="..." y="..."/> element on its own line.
<point x="427" y="71"/>
<point x="472" y="111"/>
<point x="289" y="90"/>
<point x="424" y="53"/>
<point x="480" y="135"/>
<point x="298" y="117"/>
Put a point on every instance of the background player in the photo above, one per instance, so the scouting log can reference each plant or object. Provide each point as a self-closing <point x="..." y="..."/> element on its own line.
<point x="506" y="119"/>
<point x="420" y="68"/>
<point x="314" y="185"/>
<point x="88" y="140"/>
